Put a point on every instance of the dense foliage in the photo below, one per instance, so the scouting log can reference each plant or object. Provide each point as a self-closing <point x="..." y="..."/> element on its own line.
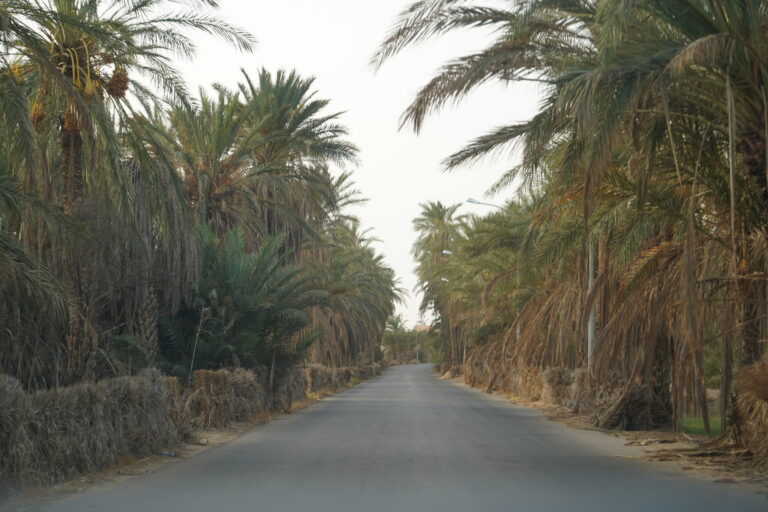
<point x="144" y="226"/>
<point x="403" y="345"/>
<point x="641" y="199"/>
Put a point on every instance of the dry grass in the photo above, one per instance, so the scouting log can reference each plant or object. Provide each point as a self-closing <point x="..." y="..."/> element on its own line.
<point x="51" y="435"/>
<point x="219" y="398"/>
<point x="177" y="409"/>
<point x="557" y="382"/>
<point x="319" y="377"/>
<point x="343" y="376"/>
<point x="752" y="410"/>
<point x="527" y="383"/>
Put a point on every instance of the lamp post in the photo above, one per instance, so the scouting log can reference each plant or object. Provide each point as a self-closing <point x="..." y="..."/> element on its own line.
<point x="472" y="200"/>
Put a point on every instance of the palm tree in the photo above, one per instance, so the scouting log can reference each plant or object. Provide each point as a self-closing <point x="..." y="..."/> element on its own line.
<point x="214" y="140"/>
<point x="247" y="310"/>
<point x="80" y="58"/>
<point x="438" y="229"/>
<point x="67" y="66"/>
<point x="645" y="104"/>
<point x="299" y="142"/>
<point x="217" y="218"/>
<point x="363" y="292"/>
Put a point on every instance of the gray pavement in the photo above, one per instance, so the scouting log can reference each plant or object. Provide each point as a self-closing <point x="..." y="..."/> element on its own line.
<point x="407" y="441"/>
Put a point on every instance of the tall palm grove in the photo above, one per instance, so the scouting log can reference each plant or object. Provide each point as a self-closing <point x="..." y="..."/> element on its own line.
<point x="146" y="225"/>
<point x="626" y="274"/>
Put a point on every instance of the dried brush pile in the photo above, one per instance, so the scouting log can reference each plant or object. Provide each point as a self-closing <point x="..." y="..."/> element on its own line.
<point x="178" y="410"/>
<point x="526" y="382"/>
<point x="250" y="393"/>
<point x="296" y="383"/>
<point x="50" y="435"/>
<point x="752" y="410"/>
<point x="628" y="405"/>
<point x="289" y="387"/>
<point x="218" y="398"/>
<point x="370" y="371"/>
<point x="320" y="377"/>
<point x="486" y="370"/>
<point x="343" y="376"/>
<point x="477" y="373"/>
<point x="578" y="397"/>
<point x="556" y="385"/>
<point x="357" y="373"/>
<point x="317" y="377"/>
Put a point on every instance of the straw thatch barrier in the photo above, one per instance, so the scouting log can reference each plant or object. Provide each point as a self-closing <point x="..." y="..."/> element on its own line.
<point x="616" y="405"/>
<point x="51" y="435"/>
<point x="219" y="398"/>
<point x="624" y="405"/>
<point x="752" y="410"/>
<point x="320" y="377"/>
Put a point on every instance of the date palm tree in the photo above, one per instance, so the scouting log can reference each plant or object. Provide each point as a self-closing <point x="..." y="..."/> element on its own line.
<point x="363" y="292"/>
<point x="656" y="105"/>
<point x="438" y="229"/>
<point x="80" y="59"/>
<point x="300" y="140"/>
<point x="75" y="72"/>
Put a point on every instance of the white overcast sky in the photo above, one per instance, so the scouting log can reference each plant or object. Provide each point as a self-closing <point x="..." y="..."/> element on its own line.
<point x="333" y="41"/>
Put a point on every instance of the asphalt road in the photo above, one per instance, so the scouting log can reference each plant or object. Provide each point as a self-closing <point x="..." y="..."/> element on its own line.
<point x="407" y="441"/>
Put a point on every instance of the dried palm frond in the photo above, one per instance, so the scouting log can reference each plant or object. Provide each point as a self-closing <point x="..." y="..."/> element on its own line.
<point x="752" y="410"/>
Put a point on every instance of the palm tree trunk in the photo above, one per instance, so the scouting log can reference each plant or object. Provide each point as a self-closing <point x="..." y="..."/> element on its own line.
<point x="752" y="143"/>
<point x="726" y="371"/>
<point x="751" y="350"/>
<point x="272" y="374"/>
<point x="146" y="327"/>
<point x="71" y="141"/>
<point x="452" y="341"/>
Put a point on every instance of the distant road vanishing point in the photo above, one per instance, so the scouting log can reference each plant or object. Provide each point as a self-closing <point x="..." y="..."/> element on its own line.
<point x="410" y="442"/>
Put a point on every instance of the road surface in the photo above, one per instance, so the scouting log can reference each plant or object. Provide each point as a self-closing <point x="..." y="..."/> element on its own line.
<point x="407" y="441"/>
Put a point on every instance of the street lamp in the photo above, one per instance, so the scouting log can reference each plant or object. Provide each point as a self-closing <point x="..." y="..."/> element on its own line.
<point x="472" y="200"/>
